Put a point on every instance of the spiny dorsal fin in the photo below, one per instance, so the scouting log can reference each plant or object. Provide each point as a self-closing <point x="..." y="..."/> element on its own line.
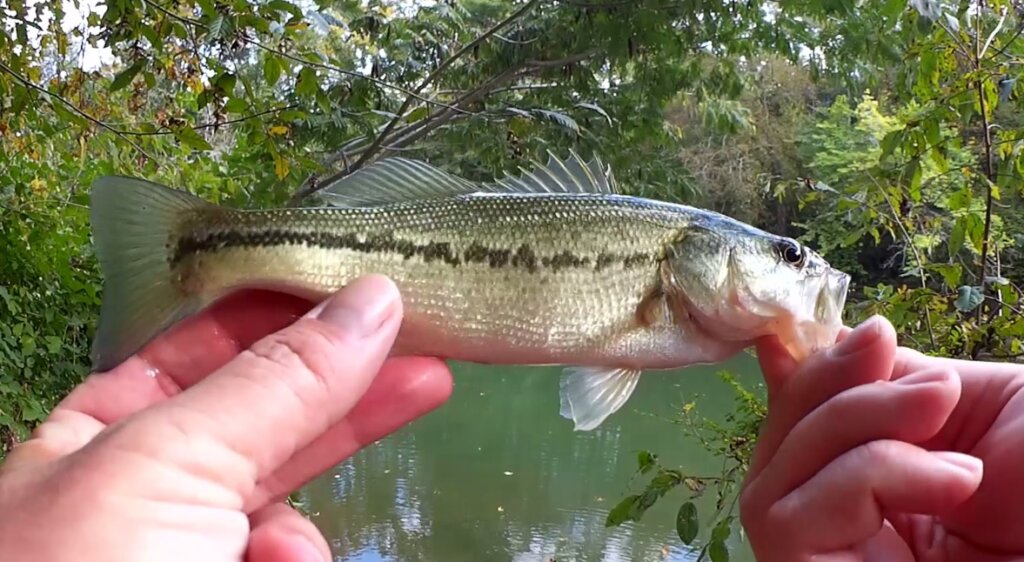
<point x="400" y="179"/>
<point x="571" y="175"/>
<point x="394" y="180"/>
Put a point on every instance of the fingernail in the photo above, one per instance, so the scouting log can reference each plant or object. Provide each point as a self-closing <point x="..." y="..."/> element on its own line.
<point x="925" y="377"/>
<point x="360" y="308"/>
<point x="860" y="338"/>
<point x="305" y="550"/>
<point x="961" y="462"/>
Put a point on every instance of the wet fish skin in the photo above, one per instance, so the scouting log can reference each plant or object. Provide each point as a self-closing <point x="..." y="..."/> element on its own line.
<point x="503" y="273"/>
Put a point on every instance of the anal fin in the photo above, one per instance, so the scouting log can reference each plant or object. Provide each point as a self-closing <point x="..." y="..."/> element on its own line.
<point x="588" y="395"/>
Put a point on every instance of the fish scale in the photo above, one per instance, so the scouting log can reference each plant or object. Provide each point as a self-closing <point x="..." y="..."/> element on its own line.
<point x="551" y="267"/>
<point x="577" y="291"/>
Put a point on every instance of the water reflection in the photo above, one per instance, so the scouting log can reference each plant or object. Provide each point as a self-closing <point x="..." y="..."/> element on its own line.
<point x="497" y="475"/>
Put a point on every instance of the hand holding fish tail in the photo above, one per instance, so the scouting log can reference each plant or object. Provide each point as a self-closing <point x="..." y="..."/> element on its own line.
<point x="186" y="450"/>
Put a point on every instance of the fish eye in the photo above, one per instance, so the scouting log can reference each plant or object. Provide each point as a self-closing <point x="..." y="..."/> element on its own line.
<point x="792" y="252"/>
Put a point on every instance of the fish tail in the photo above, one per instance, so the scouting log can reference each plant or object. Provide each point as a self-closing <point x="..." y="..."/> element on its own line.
<point x="134" y="224"/>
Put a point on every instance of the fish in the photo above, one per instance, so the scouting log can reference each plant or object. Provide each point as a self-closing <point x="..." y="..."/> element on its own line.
<point x="550" y="265"/>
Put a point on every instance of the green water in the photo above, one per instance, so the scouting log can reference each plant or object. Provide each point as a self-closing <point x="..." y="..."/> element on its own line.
<point x="497" y="475"/>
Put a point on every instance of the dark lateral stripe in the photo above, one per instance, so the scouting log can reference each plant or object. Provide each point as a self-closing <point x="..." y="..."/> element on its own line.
<point x="524" y="256"/>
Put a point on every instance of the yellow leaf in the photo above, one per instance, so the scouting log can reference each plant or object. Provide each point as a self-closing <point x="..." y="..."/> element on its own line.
<point x="37" y="186"/>
<point x="278" y="130"/>
<point x="280" y="167"/>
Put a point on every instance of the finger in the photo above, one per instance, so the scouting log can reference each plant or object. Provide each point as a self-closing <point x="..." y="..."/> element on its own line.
<point x="844" y="504"/>
<point x="777" y="365"/>
<point x="184" y="355"/>
<point x="275" y="398"/>
<point x="406" y="389"/>
<point x="864" y="355"/>
<point x="912" y="409"/>
<point x="62" y="433"/>
<point x="280" y="534"/>
<point x="886" y="545"/>
<point x="909" y="360"/>
<point x="988" y="388"/>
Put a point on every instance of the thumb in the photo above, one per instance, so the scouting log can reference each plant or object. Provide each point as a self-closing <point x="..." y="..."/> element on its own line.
<point x="777" y="365"/>
<point x="244" y="420"/>
<point x="281" y="534"/>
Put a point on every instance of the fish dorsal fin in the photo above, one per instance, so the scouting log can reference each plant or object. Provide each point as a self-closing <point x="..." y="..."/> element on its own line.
<point x="571" y="175"/>
<point x="394" y="180"/>
<point x="400" y="179"/>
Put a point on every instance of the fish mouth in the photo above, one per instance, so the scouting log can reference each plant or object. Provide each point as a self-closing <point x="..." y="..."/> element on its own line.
<point x="812" y="336"/>
<point x="832" y="298"/>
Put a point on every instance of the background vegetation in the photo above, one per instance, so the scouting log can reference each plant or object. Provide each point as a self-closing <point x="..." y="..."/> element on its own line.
<point x="886" y="134"/>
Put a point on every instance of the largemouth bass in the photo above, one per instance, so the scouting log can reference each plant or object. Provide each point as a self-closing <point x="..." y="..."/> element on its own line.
<point x="550" y="267"/>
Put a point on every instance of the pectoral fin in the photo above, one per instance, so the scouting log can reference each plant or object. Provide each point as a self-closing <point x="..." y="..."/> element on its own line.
<point x="591" y="394"/>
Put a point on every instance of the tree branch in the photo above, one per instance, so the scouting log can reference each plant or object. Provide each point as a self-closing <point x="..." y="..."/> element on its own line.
<point x="120" y="134"/>
<point x="990" y="180"/>
<point x="280" y="53"/>
<point x="399" y="138"/>
<point x="368" y="153"/>
<point x="162" y="131"/>
<point x="1009" y="42"/>
<point x="352" y="73"/>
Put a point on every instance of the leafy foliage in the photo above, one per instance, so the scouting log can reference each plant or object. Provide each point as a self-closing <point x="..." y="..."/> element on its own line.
<point x="732" y="441"/>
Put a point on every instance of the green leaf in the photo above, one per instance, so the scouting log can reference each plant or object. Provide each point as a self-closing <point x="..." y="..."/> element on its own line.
<point x="664" y="481"/>
<point x="189" y="137"/>
<point x="151" y="35"/>
<point x="687" y="524"/>
<point x="968" y="298"/>
<point x="235" y="105"/>
<point x="890" y="141"/>
<point x="283" y="6"/>
<point x="621" y="512"/>
<point x="646" y="461"/>
<point x="271" y="69"/>
<point x="307" y="84"/>
<point x="950" y="272"/>
<point x="722" y="530"/>
<point x="417" y="114"/>
<point x="292" y="115"/>
<point x="125" y="77"/>
<point x="974" y="227"/>
<point x="718" y="551"/>
<point x="226" y="82"/>
<point x="915" y="179"/>
<point x="956" y="237"/>
<point x="32" y="411"/>
<point x="219" y="27"/>
<point x="206" y="6"/>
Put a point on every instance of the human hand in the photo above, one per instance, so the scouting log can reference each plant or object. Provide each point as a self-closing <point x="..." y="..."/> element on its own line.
<point x="185" y="451"/>
<point x="871" y="453"/>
